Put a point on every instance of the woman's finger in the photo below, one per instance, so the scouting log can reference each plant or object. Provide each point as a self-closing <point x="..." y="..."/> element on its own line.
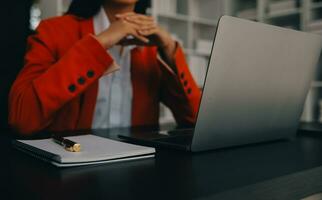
<point x="148" y="32"/>
<point x="141" y="23"/>
<point x="135" y="34"/>
<point x="138" y="20"/>
<point x="139" y="17"/>
<point x="134" y="16"/>
<point x="135" y="27"/>
<point x="142" y="38"/>
<point x="138" y="28"/>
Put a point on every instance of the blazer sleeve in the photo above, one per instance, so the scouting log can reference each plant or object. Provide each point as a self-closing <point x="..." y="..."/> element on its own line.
<point x="179" y="90"/>
<point x="46" y="83"/>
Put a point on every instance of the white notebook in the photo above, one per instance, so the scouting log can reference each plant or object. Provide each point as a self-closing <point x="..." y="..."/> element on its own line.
<point x="94" y="150"/>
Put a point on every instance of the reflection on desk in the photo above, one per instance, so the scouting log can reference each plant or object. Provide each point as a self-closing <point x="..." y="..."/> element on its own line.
<point x="275" y="170"/>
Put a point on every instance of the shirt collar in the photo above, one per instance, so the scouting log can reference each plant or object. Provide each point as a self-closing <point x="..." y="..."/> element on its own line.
<point x="101" y="21"/>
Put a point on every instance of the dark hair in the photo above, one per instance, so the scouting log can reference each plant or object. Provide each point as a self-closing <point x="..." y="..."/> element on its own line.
<point x="88" y="8"/>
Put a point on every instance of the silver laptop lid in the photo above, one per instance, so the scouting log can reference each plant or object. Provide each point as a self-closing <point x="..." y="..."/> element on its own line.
<point x="257" y="81"/>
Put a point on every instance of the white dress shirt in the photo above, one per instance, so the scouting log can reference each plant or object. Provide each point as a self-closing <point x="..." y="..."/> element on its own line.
<point x="114" y="100"/>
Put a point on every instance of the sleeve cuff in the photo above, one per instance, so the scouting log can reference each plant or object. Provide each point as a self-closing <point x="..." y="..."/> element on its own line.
<point x="99" y="52"/>
<point x="179" y="59"/>
<point x="114" y="66"/>
<point x="176" y="56"/>
<point x="165" y="65"/>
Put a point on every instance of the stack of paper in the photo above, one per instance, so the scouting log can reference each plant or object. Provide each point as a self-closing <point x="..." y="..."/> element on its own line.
<point x="315" y="26"/>
<point x="248" y="14"/>
<point x="166" y="6"/>
<point x="198" y="68"/>
<point x="280" y="6"/>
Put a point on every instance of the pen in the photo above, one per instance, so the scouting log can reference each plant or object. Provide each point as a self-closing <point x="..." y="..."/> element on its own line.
<point x="67" y="144"/>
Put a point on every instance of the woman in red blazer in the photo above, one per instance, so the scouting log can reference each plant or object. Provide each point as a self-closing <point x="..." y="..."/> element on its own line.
<point x="58" y="87"/>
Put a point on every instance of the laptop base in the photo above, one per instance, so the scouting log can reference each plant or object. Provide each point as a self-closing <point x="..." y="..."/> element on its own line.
<point x="177" y="139"/>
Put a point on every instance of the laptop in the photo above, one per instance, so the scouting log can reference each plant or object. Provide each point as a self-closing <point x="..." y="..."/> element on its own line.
<point x="256" y="84"/>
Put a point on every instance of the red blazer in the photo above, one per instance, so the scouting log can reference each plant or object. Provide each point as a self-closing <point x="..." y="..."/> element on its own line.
<point x="57" y="88"/>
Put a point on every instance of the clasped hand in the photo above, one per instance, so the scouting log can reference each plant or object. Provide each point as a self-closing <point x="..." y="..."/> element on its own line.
<point x="143" y="29"/>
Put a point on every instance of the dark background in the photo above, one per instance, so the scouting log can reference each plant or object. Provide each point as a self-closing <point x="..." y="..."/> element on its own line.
<point x="15" y="29"/>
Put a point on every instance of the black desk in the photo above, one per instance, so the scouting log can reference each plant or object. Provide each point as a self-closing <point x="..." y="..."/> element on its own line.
<point x="277" y="170"/>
